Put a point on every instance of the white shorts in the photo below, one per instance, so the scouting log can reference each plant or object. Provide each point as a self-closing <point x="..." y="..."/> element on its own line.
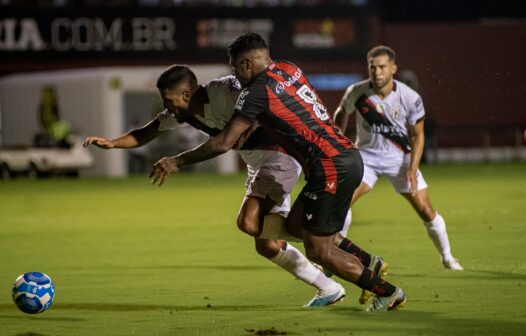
<point x="271" y="174"/>
<point x="395" y="168"/>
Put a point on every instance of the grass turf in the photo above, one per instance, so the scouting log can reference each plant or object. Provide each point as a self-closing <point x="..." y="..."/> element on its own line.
<point x="131" y="259"/>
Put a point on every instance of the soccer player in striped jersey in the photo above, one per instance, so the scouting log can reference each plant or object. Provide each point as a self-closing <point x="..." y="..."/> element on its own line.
<point x="272" y="174"/>
<point x="279" y="97"/>
<point x="390" y="136"/>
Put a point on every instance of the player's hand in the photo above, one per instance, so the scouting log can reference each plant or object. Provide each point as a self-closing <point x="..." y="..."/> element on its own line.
<point x="162" y="169"/>
<point x="99" y="142"/>
<point x="412" y="180"/>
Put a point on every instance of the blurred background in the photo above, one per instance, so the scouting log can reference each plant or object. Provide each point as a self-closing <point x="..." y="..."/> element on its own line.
<point x="91" y="66"/>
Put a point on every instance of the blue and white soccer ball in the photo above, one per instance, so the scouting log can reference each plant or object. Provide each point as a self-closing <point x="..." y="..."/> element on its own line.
<point x="33" y="292"/>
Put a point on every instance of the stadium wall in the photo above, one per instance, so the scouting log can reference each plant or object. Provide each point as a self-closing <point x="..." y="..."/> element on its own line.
<point x="93" y="102"/>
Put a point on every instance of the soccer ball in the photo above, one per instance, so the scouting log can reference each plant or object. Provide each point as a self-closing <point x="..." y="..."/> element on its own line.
<point x="33" y="292"/>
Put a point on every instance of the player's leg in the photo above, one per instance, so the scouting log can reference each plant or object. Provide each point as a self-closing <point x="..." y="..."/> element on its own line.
<point x="322" y="211"/>
<point x="435" y="226"/>
<point x="374" y="263"/>
<point x="421" y="203"/>
<point x="293" y="261"/>
<point x="346" y="244"/>
<point x="251" y="214"/>
<point x="271" y="177"/>
<point x="256" y="213"/>
<point x="362" y="189"/>
<point x="322" y="250"/>
<point x="370" y="175"/>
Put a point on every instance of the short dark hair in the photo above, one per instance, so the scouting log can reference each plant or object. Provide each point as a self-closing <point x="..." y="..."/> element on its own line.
<point x="244" y="43"/>
<point x="382" y="50"/>
<point x="174" y="75"/>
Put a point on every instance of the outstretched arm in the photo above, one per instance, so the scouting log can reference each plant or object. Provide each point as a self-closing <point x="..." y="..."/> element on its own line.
<point x="417" y="148"/>
<point x="135" y="138"/>
<point x="215" y="146"/>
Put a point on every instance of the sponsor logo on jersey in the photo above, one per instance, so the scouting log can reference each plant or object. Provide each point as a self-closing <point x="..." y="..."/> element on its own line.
<point x="395" y="112"/>
<point x="241" y="99"/>
<point x="385" y="129"/>
<point x="380" y="108"/>
<point x="293" y="79"/>
<point x="279" y="88"/>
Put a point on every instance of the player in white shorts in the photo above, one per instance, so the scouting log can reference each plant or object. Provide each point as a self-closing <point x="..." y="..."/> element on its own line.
<point x="272" y="174"/>
<point x="394" y="168"/>
<point x="390" y="136"/>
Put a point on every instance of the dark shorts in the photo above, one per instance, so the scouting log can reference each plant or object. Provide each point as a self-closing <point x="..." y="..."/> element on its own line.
<point x="328" y="193"/>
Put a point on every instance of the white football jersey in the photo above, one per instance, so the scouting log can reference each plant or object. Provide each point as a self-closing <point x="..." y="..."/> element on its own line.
<point x="382" y="125"/>
<point x="222" y="96"/>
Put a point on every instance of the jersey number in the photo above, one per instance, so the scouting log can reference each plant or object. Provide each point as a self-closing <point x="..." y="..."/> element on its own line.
<point x="308" y="96"/>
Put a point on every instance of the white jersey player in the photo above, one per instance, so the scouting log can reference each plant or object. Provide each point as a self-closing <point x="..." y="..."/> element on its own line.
<point x="271" y="173"/>
<point x="264" y="159"/>
<point x="390" y="136"/>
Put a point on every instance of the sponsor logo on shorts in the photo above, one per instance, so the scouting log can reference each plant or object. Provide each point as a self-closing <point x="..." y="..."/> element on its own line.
<point x="330" y="185"/>
<point x="309" y="216"/>
<point x="310" y="195"/>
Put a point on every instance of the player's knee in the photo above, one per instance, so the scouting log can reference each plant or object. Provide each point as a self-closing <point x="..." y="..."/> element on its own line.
<point x="267" y="248"/>
<point x="248" y="226"/>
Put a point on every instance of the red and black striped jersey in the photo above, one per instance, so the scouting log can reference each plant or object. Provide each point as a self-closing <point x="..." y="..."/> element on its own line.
<point x="283" y="101"/>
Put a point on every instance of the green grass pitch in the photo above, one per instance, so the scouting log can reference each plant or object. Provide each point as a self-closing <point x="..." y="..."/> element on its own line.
<point x="131" y="259"/>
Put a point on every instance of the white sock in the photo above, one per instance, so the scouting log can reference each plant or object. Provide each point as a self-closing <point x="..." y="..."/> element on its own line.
<point x="436" y="230"/>
<point x="274" y="228"/>
<point x="294" y="262"/>
<point x="347" y="224"/>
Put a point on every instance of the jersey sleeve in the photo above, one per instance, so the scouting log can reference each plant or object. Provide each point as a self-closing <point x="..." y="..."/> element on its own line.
<point x="250" y="103"/>
<point x="416" y="109"/>
<point x="348" y="100"/>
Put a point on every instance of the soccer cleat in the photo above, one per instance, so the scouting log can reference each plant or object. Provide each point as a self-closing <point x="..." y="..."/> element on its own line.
<point x="381" y="303"/>
<point x="452" y="264"/>
<point x="378" y="266"/>
<point x="324" y="299"/>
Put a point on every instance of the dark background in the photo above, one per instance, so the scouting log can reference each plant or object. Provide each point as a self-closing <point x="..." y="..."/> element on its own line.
<point x="468" y="55"/>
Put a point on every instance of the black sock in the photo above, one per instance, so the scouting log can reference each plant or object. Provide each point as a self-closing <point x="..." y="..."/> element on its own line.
<point x="349" y="247"/>
<point x="373" y="283"/>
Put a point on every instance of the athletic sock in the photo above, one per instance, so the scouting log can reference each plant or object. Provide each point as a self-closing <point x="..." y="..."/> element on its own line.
<point x="347" y="224"/>
<point x="436" y="230"/>
<point x="349" y="247"/>
<point x="293" y="261"/>
<point x="373" y="283"/>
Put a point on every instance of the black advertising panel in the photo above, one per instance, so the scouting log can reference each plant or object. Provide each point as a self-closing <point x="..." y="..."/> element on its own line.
<point x="103" y="36"/>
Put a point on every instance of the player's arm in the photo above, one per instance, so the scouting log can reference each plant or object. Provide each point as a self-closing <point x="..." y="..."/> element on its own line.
<point x="215" y="146"/>
<point x="341" y="119"/>
<point x="134" y="138"/>
<point x="344" y="109"/>
<point x="417" y="148"/>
